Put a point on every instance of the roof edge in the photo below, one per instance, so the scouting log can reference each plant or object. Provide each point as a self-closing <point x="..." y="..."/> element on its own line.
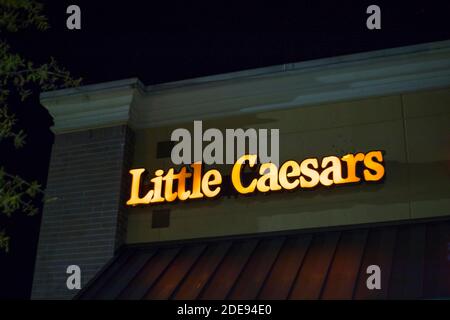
<point x="251" y="73"/>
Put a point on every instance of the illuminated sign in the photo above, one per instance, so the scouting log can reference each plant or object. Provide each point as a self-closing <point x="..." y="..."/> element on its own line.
<point x="170" y="186"/>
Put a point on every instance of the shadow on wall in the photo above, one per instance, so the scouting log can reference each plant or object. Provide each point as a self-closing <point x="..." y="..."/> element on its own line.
<point x="402" y="183"/>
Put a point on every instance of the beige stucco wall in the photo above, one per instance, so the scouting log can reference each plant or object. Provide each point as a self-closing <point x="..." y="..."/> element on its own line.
<point x="413" y="129"/>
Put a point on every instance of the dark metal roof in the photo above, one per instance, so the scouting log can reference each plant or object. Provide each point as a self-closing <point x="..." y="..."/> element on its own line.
<point x="414" y="259"/>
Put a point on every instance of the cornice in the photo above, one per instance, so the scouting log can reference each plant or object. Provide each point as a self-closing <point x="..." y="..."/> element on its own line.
<point x="356" y="76"/>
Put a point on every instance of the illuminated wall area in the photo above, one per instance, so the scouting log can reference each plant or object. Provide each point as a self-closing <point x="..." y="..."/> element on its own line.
<point x="411" y="128"/>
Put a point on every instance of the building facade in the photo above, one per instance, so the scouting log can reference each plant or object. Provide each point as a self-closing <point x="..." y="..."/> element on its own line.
<point x="314" y="243"/>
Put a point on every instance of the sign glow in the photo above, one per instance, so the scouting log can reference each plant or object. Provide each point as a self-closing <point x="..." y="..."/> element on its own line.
<point x="310" y="173"/>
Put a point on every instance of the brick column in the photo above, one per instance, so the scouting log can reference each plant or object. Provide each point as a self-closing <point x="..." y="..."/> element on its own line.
<point x="88" y="176"/>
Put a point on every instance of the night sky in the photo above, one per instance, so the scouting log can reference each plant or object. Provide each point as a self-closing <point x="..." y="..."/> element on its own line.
<point x="123" y="39"/>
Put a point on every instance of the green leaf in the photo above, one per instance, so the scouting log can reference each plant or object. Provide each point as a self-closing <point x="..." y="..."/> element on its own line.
<point x="33" y="189"/>
<point x="19" y="139"/>
<point x="4" y="241"/>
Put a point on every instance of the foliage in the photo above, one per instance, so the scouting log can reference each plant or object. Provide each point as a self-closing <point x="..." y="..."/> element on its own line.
<point x="19" y="79"/>
<point x="20" y="14"/>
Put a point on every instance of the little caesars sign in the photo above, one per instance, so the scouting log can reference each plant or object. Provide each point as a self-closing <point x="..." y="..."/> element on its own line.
<point x="192" y="182"/>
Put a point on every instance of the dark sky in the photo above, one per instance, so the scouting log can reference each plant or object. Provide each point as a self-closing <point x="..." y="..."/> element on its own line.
<point x="122" y="39"/>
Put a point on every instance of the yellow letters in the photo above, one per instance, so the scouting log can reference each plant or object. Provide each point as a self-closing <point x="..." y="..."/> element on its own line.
<point x="376" y="167"/>
<point x="135" y="186"/>
<point x="291" y="175"/>
<point x="236" y="174"/>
